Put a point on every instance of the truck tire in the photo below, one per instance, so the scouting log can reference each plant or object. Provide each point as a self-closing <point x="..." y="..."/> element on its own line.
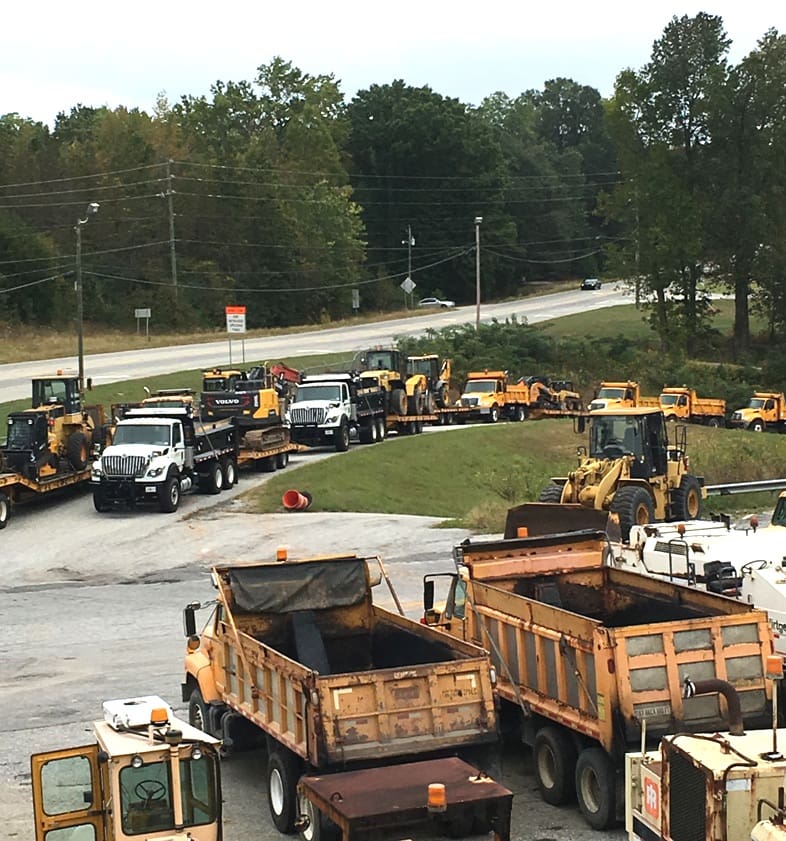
<point x="229" y="469"/>
<point x="596" y="788"/>
<point x="77" y="450"/>
<point x="715" y="423"/>
<point x="686" y="499"/>
<point x="442" y="396"/>
<point x="381" y="429"/>
<point x="342" y="437"/>
<point x="5" y="510"/>
<point x="283" y="773"/>
<point x="551" y="493"/>
<point x="398" y="402"/>
<point x="169" y="494"/>
<point x="757" y="425"/>
<point x="367" y="431"/>
<point x="554" y="757"/>
<point x="282" y="460"/>
<point x="634" y="507"/>
<point x="494" y="414"/>
<point x="415" y="402"/>
<point x="320" y="827"/>
<point x="99" y="500"/>
<point x="197" y="712"/>
<point x="428" y="403"/>
<point x="212" y="482"/>
<point x="519" y="413"/>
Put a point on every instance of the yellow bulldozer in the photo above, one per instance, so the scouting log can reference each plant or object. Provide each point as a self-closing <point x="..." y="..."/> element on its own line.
<point x="57" y="434"/>
<point x="631" y="469"/>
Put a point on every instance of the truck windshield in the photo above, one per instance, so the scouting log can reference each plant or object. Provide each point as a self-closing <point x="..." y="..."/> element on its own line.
<point x="612" y="393"/>
<point x="155" y="434"/>
<point x="779" y="515"/>
<point x="322" y="391"/>
<point x="146" y="803"/>
<point x="756" y="403"/>
<point x="615" y="436"/>
<point x="669" y="399"/>
<point x="479" y="387"/>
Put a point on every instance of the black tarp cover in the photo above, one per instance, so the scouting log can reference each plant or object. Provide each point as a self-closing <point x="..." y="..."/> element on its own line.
<point x="284" y="587"/>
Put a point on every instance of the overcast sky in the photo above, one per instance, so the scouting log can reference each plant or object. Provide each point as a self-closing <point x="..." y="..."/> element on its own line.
<point x="58" y="54"/>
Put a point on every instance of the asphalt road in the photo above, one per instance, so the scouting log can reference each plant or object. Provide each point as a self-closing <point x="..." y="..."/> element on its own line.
<point x="125" y="365"/>
<point x="92" y="607"/>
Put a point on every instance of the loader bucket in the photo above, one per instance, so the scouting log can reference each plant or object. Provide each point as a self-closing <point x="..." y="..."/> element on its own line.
<point x="540" y="518"/>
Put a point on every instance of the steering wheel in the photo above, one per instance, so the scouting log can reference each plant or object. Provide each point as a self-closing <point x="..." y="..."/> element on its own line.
<point x="150" y="790"/>
<point x="613" y="448"/>
<point x="749" y="565"/>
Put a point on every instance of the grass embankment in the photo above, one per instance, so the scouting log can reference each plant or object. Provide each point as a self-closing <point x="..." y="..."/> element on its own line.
<point x="470" y="477"/>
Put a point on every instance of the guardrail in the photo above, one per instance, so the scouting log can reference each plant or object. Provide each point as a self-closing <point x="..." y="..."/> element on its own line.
<point x="746" y="487"/>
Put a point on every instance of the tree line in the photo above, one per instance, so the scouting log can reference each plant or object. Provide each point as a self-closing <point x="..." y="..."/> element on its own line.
<point x="279" y="194"/>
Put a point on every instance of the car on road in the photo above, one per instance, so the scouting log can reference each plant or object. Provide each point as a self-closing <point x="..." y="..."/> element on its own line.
<point x="436" y="302"/>
<point x="590" y="283"/>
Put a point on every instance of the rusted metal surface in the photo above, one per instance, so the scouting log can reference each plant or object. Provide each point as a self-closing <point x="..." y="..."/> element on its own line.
<point x="396" y="795"/>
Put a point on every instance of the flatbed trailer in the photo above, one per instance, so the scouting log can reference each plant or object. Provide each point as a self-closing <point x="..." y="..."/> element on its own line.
<point x="15" y="488"/>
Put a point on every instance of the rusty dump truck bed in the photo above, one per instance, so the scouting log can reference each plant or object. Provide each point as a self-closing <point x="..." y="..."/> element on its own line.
<point x="598" y="649"/>
<point x="304" y="654"/>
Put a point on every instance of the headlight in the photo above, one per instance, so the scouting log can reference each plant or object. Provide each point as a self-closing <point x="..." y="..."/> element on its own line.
<point x="96" y="471"/>
<point x="156" y="471"/>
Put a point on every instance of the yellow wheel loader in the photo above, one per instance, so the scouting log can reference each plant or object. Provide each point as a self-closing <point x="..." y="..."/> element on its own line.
<point x="631" y="469"/>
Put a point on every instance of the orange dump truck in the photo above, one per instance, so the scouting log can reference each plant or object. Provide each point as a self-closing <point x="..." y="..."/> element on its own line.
<point x="626" y="394"/>
<point x="766" y="410"/>
<point x="489" y="395"/>
<point x="297" y="654"/>
<point x="683" y="404"/>
<point x="585" y="653"/>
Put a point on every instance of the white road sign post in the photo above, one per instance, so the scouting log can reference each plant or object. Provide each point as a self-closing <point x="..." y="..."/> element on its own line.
<point x="407" y="285"/>
<point x="139" y="314"/>
<point x="236" y="323"/>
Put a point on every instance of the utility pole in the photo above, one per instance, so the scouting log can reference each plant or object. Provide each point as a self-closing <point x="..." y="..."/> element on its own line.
<point x="92" y="209"/>
<point x="636" y="251"/>
<point x="409" y="242"/>
<point x="170" y="191"/>
<point x="478" y="220"/>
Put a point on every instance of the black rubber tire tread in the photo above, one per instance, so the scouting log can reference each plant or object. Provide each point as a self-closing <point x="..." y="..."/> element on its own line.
<point x="77" y="450"/>
<point x="554" y="760"/>
<point x="686" y="497"/>
<point x="197" y="711"/>
<point x="757" y="426"/>
<point x="364" y="431"/>
<point x="715" y="423"/>
<point x="169" y="494"/>
<point x="629" y="503"/>
<point x="5" y="510"/>
<point x="229" y="469"/>
<point x="493" y="414"/>
<point x="596" y="788"/>
<point x="382" y="430"/>
<point x="415" y="402"/>
<point x="282" y="460"/>
<point x="398" y="401"/>
<point x="519" y="413"/>
<point x="286" y="766"/>
<point x="429" y="404"/>
<point x="551" y="493"/>
<point x="214" y="480"/>
<point x="342" y="437"/>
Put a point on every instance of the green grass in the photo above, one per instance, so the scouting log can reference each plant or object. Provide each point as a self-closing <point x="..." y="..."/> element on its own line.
<point x="471" y="477"/>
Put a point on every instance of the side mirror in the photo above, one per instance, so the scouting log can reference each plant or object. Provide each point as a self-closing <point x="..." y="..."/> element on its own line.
<point x="428" y="595"/>
<point x="89" y="383"/>
<point x="581" y="424"/>
<point x="189" y="619"/>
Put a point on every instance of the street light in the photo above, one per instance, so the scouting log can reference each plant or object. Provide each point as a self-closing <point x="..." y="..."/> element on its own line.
<point x="92" y="209"/>
<point x="478" y="220"/>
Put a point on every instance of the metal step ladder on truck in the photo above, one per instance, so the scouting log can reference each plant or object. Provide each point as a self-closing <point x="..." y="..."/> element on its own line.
<point x="161" y="450"/>
<point x="632" y="469"/>
<point x="330" y="408"/>
<point x="51" y="445"/>
<point x="490" y="395"/>
<point x="585" y="653"/>
<point x="296" y="653"/>
<point x="722" y="785"/>
<point x="146" y="775"/>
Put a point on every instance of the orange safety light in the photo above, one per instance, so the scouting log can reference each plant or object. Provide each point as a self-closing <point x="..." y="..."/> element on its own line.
<point x="522" y="531"/>
<point x="281" y="553"/>
<point x="437" y="799"/>
<point x="158" y="716"/>
<point x="681" y="529"/>
<point x="774" y="667"/>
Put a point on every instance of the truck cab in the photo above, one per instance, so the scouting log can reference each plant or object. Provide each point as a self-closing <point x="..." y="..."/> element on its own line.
<point x="765" y="410"/>
<point x="147" y="775"/>
<point x="615" y="395"/>
<point x="490" y="396"/>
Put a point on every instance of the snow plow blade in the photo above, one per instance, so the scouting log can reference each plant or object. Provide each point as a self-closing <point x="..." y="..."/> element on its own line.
<point x="540" y="518"/>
